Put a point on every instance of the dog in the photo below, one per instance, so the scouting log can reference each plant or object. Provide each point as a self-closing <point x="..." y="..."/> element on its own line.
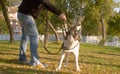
<point x="71" y="44"/>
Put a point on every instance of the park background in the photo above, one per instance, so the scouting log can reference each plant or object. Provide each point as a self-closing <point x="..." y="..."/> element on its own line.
<point x="99" y="31"/>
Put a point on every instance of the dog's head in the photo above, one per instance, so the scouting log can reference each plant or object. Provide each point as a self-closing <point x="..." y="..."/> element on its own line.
<point x="72" y="31"/>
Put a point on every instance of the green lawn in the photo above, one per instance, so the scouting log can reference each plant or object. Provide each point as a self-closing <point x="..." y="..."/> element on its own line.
<point x="93" y="59"/>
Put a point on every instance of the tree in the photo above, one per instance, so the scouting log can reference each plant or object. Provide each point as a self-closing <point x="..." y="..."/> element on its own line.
<point x="5" y="14"/>
<point x="98" y="12"/>
<point x="3" y="27"/>
<point x="114" y="25"/>
<point x="54" y="30"/>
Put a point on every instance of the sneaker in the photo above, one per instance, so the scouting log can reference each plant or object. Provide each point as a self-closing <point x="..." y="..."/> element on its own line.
<point x="41" y="65"/>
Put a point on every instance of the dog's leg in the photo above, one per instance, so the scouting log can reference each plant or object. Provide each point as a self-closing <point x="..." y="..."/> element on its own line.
<point x="76" y="61"/>
<point x="67" y="59"/>
<point x="60" y="63"/>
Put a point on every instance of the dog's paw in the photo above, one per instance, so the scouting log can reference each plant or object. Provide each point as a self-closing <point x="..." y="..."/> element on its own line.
<point x="78" y="70"/>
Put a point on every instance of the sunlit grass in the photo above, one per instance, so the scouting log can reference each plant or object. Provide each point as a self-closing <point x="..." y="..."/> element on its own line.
<point x="93" y="59"/>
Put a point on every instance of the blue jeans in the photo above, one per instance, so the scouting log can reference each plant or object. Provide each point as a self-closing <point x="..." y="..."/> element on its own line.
<point x="29" y="33"/>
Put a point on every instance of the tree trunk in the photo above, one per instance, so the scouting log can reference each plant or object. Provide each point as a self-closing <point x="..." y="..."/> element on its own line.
<point x="46" y="30"/>
<point x="5" y="14"/>
<point x="103" y="31"/>
<point x="56" y="34"/>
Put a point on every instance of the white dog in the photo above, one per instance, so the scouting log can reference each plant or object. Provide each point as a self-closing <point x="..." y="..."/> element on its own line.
<point x="71" y="45"/>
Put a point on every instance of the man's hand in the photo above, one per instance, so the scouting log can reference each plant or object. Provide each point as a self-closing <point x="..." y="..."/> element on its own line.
<point x="62" y="17"/>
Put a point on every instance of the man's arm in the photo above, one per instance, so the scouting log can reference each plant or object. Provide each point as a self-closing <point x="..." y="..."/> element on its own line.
<point x="50" y="7"/>
<point x="53" y="9"/>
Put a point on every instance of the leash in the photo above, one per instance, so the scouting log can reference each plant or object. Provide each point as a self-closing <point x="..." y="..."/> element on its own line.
<point x="66" y="48"/>
<point x="48" y="50"/>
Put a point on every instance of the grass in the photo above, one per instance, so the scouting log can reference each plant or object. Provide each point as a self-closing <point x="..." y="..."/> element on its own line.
<point x="93" y="59"/>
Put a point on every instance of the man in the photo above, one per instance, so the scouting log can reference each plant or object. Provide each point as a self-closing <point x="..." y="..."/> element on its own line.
<point x="27" y="11"/>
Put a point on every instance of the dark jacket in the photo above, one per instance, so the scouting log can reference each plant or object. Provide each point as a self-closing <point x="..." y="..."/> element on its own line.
<point x="34" y="7"/>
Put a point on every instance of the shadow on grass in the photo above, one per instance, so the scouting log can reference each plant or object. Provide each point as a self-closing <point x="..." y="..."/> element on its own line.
<point x="103" y="64"/>
<point x="99" y="63"/>
<point x="7" y="69"/>
<point x="2" y="72"/>
<point x="8" y="52"/>
<point x="106" y="53"/>
<point x="13" y="61"/>
<point x="100" y="58"/>
<point x="10" y="70"/>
